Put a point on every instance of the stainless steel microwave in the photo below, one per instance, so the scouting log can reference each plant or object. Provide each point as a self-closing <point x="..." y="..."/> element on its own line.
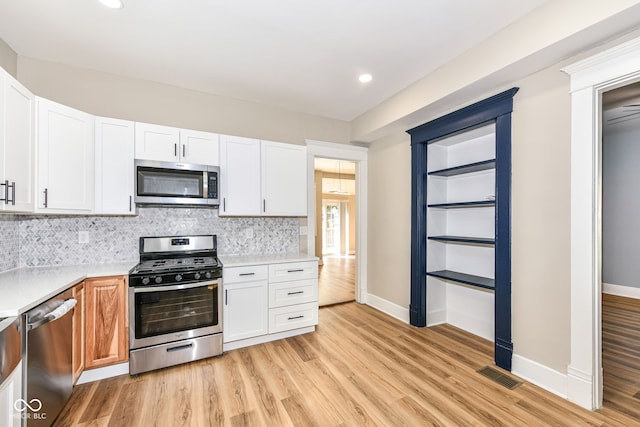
<point x="167" y="183"/>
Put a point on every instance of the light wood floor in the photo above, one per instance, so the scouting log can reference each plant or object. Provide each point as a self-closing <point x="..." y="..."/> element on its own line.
<point x="336" y="280"/>
<point x="360" y="367"/>
<point x="621" y="354"/>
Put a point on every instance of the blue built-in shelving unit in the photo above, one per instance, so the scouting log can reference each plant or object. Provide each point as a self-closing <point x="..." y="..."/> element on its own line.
<point x="496" y="112"/>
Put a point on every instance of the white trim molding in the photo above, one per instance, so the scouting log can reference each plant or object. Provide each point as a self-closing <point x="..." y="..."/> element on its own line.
<point x="621" y="291"/>
<point x="359" y="155"/>
<point x="607" y="70"/>
<point x="540" y="375"/>
<point x="394" y="310"/>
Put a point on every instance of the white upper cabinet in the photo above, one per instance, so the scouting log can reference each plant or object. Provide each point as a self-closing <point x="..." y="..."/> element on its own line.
<point x="168" y="144"/>
<point x="239" y="176"/>
<point x="262" y="178"/>
<point x="65" y="158"/>
<point x="17" y="146"/>
<point x="114" y="167"/>
<point x="200" y="148"/>
<point x="284" y="179"/>
<point x="155" y="142"/>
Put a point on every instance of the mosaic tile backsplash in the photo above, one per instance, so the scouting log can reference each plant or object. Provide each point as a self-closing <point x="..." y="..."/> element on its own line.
<point x="9" y="242"/>
<point x="53" y="240"/>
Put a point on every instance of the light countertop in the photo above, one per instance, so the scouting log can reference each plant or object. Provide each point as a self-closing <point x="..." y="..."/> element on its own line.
<point x="24" y="288"/>
<point x="244" y="260"/>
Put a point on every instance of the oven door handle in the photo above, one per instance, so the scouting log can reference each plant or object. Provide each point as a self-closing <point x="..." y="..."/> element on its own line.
<point x="141" y="289"/>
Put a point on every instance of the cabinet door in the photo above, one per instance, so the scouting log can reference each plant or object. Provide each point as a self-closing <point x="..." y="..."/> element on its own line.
<point x="114" y="166"/>
<point x="78" y="332"/>
<point x="284" y="179"/>
<point x="106" y="322"/>
<point x="19" y="145"/>
<point x="10" y="391"/>
<point x="239" y="176"/>
<point x="65" y="152"/>
<point x="155" y="142"/>
<point x="201" y="148"/>
<point x="245" y="310"/>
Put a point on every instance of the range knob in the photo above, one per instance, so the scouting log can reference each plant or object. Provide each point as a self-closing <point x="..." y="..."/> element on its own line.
<point x="207" y="275"/>
<point x="178" y="277"/>
<point x="197" y="276"/>
<point x="145" y="280"/>
<point x="158" y="279"/>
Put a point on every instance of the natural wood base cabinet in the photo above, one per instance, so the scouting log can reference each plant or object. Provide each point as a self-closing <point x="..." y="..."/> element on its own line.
<point x="78" y="332"/>
<point x="106" y="321"/>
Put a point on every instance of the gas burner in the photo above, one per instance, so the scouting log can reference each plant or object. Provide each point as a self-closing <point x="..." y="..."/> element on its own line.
<point x="169" y="260"/>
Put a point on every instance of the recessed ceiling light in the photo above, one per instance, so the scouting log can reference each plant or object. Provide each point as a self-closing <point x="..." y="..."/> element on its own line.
<point x="113" y="4"/>
<point x="365" y="78"/>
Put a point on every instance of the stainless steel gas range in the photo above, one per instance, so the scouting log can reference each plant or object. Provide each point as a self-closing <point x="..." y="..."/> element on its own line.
<point x="175" y="302"/>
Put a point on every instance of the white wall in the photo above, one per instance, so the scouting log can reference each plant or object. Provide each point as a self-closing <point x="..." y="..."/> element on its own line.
<point x="8" y="59"/>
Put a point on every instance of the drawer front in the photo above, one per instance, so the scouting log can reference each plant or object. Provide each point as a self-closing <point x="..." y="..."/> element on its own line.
<point x="291" y="293"/>
<point x="249" y="273"/>
<point x="293" y="271"/>
<point x="293" y="317"/>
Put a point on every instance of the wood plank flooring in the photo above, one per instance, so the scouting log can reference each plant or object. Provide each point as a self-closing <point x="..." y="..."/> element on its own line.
<point x="360" y="367"/>
<point x="621" y="354"/>
<point x="336" y="280"/>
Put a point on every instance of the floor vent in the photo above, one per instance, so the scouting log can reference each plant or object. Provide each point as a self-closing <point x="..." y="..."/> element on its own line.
<point x="498" y="377"/>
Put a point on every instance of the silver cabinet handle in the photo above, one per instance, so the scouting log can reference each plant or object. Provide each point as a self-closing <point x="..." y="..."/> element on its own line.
<point x="226" y="297"/>
<point x="13" y="193"/>
<point x="184" y="148"/>
<point x="175" y="150"/>
<point x="295" y="317"/>
<point x="296" y="270"/>
<point x="130" y="202"/>
<point x="247" y="274"/>
<point x="6" y="191"/>
<point x="224" y="204"/>
<point x="46" y="197"/>
<point x="264" y="205"/>
<point x="295" y="293"/>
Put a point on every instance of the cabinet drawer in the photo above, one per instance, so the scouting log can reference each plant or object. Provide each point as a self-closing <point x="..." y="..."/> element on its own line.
<point x="293" y="317"/>
<point x="294" y="292"/>
<point x="245" y="274"/>
<point x="293" y="271"/>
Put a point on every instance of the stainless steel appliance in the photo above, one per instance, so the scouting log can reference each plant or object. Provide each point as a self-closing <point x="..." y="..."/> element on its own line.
<point x="166" y="183"/>
<point x="10" y="372"/>
<point x="48" y="379"/>
<point x="175" y="302"/>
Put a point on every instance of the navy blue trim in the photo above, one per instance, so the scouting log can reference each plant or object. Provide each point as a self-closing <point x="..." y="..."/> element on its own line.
<point x="418" y="308"/>
<point x="495" y="109"/>
<point x="468" y="117"/>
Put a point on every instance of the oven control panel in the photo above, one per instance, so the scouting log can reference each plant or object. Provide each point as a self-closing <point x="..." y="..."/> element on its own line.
<point x="166" y="279"/>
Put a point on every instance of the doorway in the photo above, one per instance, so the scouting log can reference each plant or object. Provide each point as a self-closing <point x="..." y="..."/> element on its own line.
<point x="620" y="321"/>
<point x="335" y="188"/>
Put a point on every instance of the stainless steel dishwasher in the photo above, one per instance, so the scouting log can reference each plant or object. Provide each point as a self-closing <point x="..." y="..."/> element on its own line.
<point x="48" y="372"/>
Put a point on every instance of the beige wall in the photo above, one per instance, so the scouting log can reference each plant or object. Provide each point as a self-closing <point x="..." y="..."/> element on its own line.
<point x="131" y="99"/>
<point x="389" y="219"/>
<point x="8" y="59"/>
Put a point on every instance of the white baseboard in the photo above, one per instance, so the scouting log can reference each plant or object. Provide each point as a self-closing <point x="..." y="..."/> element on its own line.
<point x="621" y="291"/>
<point x="540" y="375"/>
<point x="394" y="310"/>
<point x="96" y="374"/>
<point x="475" y="325"/>
<point x="436" y="317"/>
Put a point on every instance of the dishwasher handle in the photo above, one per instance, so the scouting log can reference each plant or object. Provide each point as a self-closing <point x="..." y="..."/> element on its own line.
<point x="55" y="314"/>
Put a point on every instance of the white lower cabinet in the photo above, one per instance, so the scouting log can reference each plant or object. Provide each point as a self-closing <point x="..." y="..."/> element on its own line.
<point x="245" y="303"/>
<point x="263" y="300"/>
<point x="10" y="391"/>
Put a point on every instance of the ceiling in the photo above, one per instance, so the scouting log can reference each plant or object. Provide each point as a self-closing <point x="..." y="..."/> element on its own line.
<point x="299" y="55"/>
